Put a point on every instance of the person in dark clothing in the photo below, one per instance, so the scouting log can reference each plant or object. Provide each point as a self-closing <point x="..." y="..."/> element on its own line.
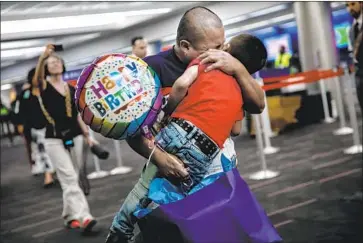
<point x="5" y="120"/>
<point x="295" y="65"/>
<point x="356" y="37"/>
<point x="34" y="122"/>
<point x="139" y="46"/>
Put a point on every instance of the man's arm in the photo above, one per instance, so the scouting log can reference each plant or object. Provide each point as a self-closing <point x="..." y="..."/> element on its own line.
<point x="140" y="145"/>
<point x="180" y="88"/>
<point x="168" y="165"/>
<point x="253" y="95"/>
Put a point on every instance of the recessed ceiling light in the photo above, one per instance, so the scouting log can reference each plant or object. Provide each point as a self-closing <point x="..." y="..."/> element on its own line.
<point x="24" y="43"/>
<point x="6" y="86"/>
<point x="68" y="22"/>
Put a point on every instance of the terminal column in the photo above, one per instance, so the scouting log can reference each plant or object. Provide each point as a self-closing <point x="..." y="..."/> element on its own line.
<point x="316" y="38"/>
<point x="306" y="52"/>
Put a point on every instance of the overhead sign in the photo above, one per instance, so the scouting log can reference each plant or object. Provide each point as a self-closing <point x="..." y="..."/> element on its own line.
<point x="72" y="75"/>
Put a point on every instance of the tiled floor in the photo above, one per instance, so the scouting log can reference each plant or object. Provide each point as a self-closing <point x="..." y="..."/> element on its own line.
<point x="304" y="202"/>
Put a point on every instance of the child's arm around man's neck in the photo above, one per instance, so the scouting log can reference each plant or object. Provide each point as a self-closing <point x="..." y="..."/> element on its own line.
<point x="180" y="88"/>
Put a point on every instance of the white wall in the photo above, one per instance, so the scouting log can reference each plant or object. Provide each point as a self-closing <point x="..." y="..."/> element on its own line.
<point x="152" y="32"/>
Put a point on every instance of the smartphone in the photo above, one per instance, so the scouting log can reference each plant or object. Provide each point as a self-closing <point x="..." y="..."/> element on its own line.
<point x="58" y="48"/>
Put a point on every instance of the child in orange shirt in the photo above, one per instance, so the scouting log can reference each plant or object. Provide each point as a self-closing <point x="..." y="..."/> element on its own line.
<point x="205" y="108"/>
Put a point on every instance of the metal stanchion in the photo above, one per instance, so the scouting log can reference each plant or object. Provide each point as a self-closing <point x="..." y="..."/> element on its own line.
<point x="266" y="130"/>
<point x="334" y="109"/>
<point x="264" y="173"/>
<point x="266" y="118"/>
<point x="266" y="124"/>
<point x="327" y="118"/>
<point x="266" y="121"/>
<point x="120" y="169"/>
<point x="357" y="146"/>
<point x="98" y="173"/>
<point x="343" y="130"/>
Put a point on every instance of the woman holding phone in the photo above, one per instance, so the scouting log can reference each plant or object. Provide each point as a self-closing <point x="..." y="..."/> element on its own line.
<point x="65" y="136"/>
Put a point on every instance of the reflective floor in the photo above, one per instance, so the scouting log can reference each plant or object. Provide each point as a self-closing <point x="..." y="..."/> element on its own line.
<point x="305" y="202"/>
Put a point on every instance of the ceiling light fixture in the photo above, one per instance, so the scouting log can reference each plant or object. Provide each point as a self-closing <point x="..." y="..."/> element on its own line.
<point x="247" y="27"/>
<point x="283" y="18"/>
<point x="337" y="4"/>
<point x="260" y="24"/>
<point x="235" y="20"/>
<point x="22" y="52"/>
<point x="6" y="87"/>
<point x="7" y="63"/>
<point x="255" y="14"/>
<point x="168" y="38"/>
<point x="68" y="22"/>
<point x="25" y="43"/>
<point x="268" y="10"/>
<point x="72" y="40"/>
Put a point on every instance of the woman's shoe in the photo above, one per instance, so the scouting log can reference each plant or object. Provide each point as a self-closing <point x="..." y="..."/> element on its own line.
<point x="48" y="180"/>
<point x="88" y="224"/>
<point x="73" y="224"/>
<point x="48" y="185"/>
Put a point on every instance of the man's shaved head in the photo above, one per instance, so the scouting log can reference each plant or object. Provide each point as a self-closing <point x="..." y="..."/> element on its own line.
<point x="199" y="29"/>
<point x="195" y="22"/>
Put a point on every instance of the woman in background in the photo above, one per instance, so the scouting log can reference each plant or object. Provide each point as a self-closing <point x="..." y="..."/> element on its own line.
<point x="64" y="140"/>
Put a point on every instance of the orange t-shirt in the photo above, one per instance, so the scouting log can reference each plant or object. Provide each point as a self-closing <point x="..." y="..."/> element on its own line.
<point x="213" y="104"/>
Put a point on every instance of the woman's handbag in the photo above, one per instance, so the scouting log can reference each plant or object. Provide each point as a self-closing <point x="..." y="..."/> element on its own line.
<point x="82" y="176"/>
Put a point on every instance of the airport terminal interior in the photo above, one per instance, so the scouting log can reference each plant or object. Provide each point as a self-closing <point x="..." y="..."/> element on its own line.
<point x="300" y="156"/>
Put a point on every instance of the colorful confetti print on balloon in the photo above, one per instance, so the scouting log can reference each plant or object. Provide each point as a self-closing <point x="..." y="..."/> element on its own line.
<point x="119" y="95"/>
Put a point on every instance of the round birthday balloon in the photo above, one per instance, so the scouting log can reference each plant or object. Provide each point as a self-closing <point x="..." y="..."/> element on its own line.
<point x="117" y="95"/>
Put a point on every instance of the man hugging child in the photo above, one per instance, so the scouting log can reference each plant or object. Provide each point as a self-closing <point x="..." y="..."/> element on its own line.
<point x="205" y="109"/>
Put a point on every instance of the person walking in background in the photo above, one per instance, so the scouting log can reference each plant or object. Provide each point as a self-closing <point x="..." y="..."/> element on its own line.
<point x="64" y="141"/>
<point x="356" y="35"/>
<point x="139" y="46"/>
<point x="5" y="122"/>
<point x="283" y="58"/>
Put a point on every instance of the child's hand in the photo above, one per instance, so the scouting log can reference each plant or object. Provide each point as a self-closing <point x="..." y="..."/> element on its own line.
<point x="221" y="60"/>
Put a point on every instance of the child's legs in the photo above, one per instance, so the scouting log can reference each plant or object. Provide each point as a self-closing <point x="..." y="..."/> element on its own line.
<point x="124" y="220"/>
<point x="197" y="163"/>
<point x="174" y="140"/>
